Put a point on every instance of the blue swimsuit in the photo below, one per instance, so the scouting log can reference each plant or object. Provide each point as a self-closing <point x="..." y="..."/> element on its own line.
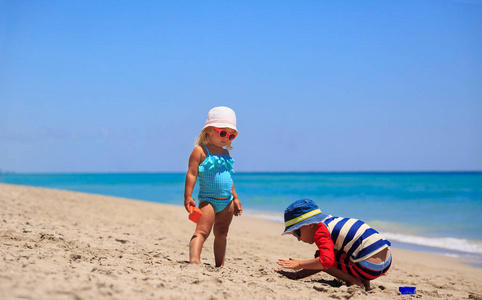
<point x="215" y="180"/>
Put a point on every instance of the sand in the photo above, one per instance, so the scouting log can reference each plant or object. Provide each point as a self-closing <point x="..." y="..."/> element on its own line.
<point x="67" y="245"/>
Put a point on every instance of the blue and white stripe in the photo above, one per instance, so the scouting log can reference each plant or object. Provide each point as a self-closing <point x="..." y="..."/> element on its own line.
<point x="354" y="237"/>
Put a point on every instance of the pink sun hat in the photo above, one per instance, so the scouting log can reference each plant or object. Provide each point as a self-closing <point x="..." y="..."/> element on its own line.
<point x="221" y="117"/>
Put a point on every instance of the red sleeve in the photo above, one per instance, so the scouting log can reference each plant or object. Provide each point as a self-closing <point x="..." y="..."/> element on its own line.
<point x="325" y="245"/>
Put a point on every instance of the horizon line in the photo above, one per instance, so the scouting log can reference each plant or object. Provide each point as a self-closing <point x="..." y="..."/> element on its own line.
<point x="241" y="172"/>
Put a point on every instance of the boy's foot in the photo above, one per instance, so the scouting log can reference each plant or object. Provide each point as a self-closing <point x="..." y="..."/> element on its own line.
<point x="358" y="282"/>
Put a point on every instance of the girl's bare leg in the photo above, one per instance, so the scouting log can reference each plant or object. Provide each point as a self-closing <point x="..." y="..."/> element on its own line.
<point x="221" y="227"/>
<point x="203" y="228"/>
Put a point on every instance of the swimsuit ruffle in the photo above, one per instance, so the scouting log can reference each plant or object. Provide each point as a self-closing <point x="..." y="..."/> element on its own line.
<point x="216" y="161"/>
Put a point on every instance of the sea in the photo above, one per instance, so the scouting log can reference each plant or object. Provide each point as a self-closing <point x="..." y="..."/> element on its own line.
<point x="435" y="212"/>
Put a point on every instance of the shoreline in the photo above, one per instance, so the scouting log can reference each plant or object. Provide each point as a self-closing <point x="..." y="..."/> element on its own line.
<point x="69" y="245"/>
<point x="420" y="243"/>
<point x="471" y="258"/>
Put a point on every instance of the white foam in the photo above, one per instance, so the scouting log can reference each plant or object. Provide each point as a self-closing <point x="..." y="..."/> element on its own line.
<point x="448" y="243"/>
<point x="273" y="217"/>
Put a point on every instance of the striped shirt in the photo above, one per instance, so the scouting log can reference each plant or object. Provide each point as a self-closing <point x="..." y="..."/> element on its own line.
<point x="355" y="238"/>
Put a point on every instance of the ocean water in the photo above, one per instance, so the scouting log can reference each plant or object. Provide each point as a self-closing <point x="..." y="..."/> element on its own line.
<point x="434" y="212"/>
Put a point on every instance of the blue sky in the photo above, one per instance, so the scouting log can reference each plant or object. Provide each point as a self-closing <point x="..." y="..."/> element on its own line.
<point x="125" y="86"/>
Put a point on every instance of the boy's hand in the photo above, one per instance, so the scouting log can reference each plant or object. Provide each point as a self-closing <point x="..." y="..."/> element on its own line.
<point x="297" y="274"/>
<point x="289" y="264"/>
<point x="290" y="275"/>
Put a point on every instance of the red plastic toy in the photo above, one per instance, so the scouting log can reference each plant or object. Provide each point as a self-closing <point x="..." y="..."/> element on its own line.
<point x="194" y="213"/>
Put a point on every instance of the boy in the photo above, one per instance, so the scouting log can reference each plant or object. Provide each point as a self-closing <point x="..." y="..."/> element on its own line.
<point x="348" y="249"/>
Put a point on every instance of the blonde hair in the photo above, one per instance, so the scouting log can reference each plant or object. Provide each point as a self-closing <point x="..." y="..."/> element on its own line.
<point x="203" y="138"/>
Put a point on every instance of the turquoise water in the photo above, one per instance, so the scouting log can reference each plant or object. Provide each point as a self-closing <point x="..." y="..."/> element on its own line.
<point x="439" y="211"/>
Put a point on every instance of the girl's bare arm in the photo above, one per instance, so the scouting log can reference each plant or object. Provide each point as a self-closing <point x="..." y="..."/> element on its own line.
<point x="191" y="176"/>
<point x="238" y="208"/>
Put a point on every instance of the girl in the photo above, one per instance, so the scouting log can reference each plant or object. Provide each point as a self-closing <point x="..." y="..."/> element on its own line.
<point x="218" y="201"/>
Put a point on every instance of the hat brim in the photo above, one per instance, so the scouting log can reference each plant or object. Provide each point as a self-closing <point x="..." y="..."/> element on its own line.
<point x="311" y="220"/>
<point x="221" y="125"/>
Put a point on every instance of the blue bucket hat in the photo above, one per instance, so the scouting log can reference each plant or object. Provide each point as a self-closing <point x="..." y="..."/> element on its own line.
<point x="300" y="213"/>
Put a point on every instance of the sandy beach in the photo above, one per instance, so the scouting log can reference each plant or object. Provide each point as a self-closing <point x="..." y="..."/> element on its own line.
<point x="67" y="245"/>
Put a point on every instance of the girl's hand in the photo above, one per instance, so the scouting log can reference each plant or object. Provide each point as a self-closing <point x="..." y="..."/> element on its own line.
<point x="289" y="264"/>
<point x="238" y="208"/>
<point x="189" y="201"/>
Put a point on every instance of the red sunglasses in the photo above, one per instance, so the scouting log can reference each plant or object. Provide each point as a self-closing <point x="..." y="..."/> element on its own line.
<point x="225" y="135"/>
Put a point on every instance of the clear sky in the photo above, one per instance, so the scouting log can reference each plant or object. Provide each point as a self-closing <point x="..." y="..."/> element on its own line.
<point x="125" y="86"/>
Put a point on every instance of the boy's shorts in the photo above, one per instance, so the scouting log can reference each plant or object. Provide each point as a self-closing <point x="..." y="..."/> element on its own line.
<point x="364" y="269"/>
